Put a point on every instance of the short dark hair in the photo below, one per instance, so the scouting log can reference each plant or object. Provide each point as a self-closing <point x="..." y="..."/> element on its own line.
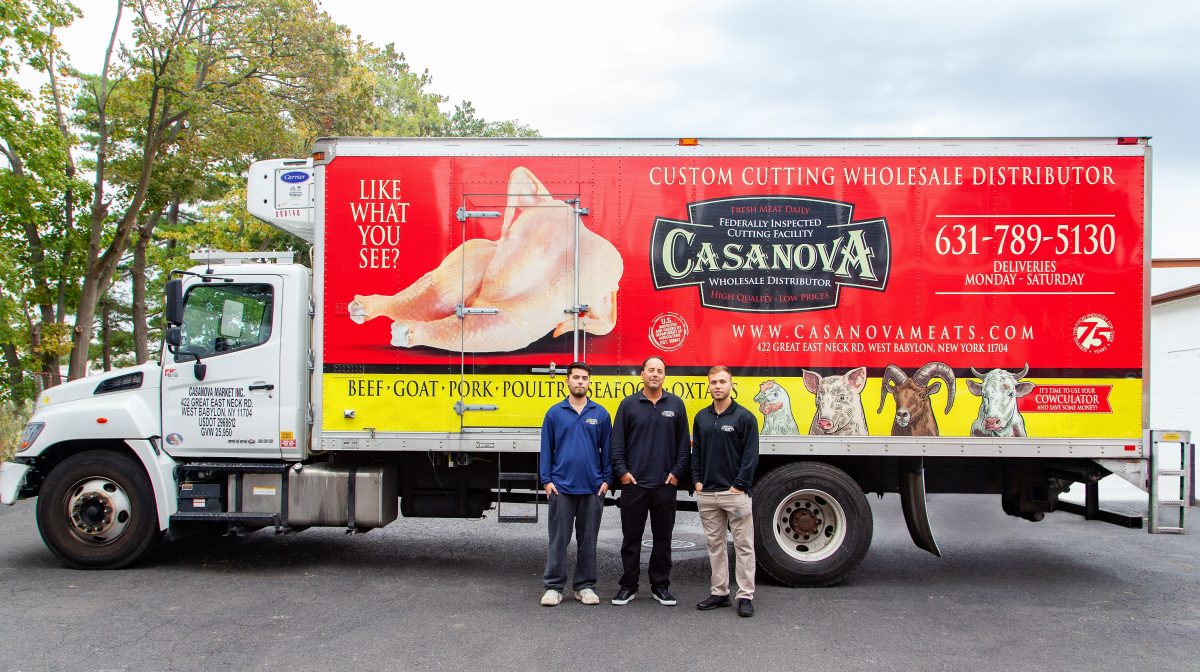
<point x="647" y="361"/>
<point x="579" y="365"/>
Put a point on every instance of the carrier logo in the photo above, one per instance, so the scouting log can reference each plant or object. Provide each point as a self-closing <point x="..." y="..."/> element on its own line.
<point x="295" y="177"/>
<point x="770" y="253"/>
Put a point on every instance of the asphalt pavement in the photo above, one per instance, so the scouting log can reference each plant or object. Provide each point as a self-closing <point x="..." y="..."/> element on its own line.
<point x="431" y="594"/>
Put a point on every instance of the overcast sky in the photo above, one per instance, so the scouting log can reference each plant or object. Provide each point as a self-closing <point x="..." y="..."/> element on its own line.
<point x="809" y="69"/>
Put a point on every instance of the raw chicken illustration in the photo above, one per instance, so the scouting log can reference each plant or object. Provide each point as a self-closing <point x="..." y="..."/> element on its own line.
<point x="525" y="274"/>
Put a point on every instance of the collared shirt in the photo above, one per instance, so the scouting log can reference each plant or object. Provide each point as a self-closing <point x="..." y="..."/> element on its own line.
<point x="575" y="448"/>
<point x="724" y="448"/>
<point x="650" y="439"/>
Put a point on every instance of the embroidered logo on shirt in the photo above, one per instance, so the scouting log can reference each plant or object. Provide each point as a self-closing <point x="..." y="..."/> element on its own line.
<point x="668" y="414"/>
<point x="592" y="421"/>
<point x="728" y="428"/>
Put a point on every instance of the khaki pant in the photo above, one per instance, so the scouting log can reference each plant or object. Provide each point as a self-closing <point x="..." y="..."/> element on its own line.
<point x="718" y="509"/>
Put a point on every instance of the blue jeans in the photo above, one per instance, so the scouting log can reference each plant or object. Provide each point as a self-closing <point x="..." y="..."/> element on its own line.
<point x="583" y="513"/>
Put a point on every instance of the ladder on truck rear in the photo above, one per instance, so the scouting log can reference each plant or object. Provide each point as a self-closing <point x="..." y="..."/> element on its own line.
<point x="1177" y="493"/>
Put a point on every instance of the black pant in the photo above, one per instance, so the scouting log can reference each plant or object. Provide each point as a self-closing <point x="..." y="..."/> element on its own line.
<point x="636" y="502"/>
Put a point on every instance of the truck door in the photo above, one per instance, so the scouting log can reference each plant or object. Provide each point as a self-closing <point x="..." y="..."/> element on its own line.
<point x="233" y="411"/>
<point x="535" y="328"/>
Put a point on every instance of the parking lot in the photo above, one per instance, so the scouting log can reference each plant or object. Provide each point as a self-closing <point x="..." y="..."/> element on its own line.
<point x="452" y="594"/>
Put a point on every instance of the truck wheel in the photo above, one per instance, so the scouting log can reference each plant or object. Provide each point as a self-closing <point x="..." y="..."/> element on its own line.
<point x="812" y="524"/>
<point x="96" y="511"/>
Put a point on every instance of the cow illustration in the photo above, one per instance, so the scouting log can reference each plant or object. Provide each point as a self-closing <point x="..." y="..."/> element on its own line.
<point x="776" y="407"/>
<point x="998" y="393"/>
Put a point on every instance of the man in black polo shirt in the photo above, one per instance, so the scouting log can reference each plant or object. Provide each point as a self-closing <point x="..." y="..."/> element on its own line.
<point x="724" y="457"/>
<point x="649" y="456"/>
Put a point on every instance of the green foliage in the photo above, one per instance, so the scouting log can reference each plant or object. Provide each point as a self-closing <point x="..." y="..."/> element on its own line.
<point x="465" y="123"/>
<point x="403" y="106"/>
<point x="201" y="91"/>
<point x="13" y="416"/>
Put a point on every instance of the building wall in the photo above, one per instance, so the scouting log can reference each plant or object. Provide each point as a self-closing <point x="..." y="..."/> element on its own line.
<point x="1175" y="366"/>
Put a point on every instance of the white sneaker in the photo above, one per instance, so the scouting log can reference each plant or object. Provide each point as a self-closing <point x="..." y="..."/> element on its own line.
<point x="587" y="596"/>
<point x="551" y="598"/>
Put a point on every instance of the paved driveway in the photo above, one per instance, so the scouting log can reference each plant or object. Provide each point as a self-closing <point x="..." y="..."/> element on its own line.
<point x="462" y="595"/>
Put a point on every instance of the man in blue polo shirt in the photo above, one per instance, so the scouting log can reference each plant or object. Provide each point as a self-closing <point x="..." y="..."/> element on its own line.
<point x="575" y="475"/>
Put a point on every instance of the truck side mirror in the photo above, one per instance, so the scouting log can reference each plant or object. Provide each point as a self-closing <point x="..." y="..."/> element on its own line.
<point x="174" y="336"/>
<point x="200" y="369"/>
<point x="174" y="309"/>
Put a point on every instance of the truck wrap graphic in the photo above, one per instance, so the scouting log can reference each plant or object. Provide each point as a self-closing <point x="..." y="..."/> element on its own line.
<point x="770" y="254"/>
<point x="773" y="266"/>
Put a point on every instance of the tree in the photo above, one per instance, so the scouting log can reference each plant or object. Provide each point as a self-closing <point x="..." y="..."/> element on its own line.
<point x="162" y="134"/>
<point x="465" y="123"/>
<point x="37" y="195"/>
<point x="194" y="68"/>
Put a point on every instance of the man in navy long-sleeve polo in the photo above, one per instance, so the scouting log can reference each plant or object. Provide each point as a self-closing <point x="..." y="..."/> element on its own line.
<point x="650" y="456"/>
<point x="724" y="459"/>
<point x="574" y="471"/>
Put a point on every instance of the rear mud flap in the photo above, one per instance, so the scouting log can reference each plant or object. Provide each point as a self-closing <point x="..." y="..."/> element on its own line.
<point x="912" y="500"/>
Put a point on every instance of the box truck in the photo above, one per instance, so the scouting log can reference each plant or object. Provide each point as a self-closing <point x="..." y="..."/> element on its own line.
<point x="902" y="315"/>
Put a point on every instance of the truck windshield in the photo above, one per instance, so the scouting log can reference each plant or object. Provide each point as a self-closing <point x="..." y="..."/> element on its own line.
<point x="224" y="318"/>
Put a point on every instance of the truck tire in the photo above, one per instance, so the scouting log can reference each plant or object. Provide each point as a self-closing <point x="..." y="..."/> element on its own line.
<point x="96" y="511"/>
<point x="812" y="524"/>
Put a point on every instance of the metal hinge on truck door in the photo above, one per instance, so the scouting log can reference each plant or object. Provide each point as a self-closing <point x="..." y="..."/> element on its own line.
<point x="460" y="407"/>
<point x="463" y="214"/>
<point x="462" y="311"/>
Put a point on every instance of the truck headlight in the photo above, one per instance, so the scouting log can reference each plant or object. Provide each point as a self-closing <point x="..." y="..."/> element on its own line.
<point x="30" y="435"/>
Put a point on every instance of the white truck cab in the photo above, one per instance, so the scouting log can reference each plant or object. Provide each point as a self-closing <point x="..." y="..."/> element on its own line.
<point x="233" y="383"/>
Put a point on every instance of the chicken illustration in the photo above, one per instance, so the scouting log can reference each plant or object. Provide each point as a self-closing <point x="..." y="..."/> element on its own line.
<point x="525" y="274"/>
<point x="776" y="408"/>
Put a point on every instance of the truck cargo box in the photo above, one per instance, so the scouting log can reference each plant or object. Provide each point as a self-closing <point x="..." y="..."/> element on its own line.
<point x="455" y="277"/>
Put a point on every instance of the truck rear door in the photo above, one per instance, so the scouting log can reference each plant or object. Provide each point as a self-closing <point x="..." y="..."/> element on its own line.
<point x="233" y="411"/>
<point x="521" y="308"/>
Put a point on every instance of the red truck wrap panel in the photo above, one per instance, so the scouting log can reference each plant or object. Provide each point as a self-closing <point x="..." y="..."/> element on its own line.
<point x="793" y="271"/>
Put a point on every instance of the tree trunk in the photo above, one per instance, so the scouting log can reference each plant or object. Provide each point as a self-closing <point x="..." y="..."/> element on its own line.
<point x="85" y="318"/>
<point x="106" y="333"/>
<point x="141" y="328"/>
<point x="141" y="324"/>
<point x="13" y="360"/>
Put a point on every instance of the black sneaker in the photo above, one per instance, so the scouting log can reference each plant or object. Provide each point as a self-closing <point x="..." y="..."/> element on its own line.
<point x="663" y="596"/>
<point x="712" y="602"/>
<point x="745" y="607"/>
<point x="624" y="596"/>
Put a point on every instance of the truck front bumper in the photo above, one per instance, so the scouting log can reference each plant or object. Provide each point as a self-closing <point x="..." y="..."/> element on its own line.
<point x="12" y="477"/>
